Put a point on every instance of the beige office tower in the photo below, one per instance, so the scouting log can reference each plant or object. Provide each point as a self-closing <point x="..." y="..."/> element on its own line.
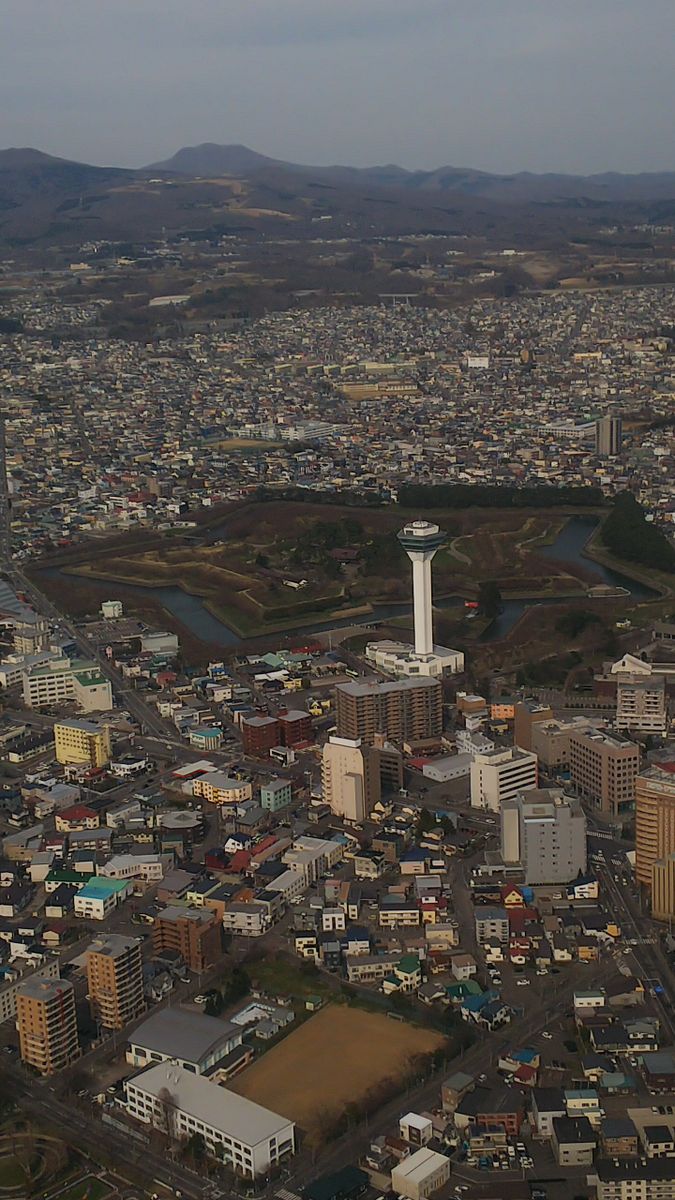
<point x="350" y="778"/>
<point x="115" y="980"/>
<point x="654" y="819"/>
<point x="603" y="769"/>
<point x="46" y="1023"/>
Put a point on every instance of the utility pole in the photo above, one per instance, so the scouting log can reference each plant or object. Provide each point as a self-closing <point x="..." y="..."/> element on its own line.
<point x="5" y="506"/>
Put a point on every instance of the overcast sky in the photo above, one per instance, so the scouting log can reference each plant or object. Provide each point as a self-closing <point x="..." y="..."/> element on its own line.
<point x="503" y="85"/>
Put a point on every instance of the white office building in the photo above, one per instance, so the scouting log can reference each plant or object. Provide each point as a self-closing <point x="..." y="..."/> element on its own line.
<point x="248" y="1137"/>
<point x="500" y="775"/>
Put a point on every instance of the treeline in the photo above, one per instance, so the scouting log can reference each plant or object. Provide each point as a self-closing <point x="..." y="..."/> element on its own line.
<point x="628" y="534"/>
<point x="485" y="495"/>
<point x="349" y="499"/>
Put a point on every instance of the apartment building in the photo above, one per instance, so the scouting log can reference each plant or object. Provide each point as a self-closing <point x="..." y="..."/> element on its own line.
<point x="641" y="703"/>
<point x="46" y="1023"/>
<point x="115" y="980"/>
<point x="259" y="733"/>
<point x="406" y="711"/>
<point x="500" y="775"/>
<point x="83" y="743"/>
<point x="218" y="788"/>
<point x="193" y="932"/>
<point x="634" y="1179"/>
<point x="603" y="770"/>
<point x="545" y="832"/>
<point x="350" y="778"/>
<point x="249" y="1138"/>
<point x="654" y="818"/>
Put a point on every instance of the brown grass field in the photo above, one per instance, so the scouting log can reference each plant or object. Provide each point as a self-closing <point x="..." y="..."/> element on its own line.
<point x="335" y="1058"/>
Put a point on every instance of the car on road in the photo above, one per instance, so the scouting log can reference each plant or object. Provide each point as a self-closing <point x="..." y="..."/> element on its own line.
<point x="547" y="1035"/>
<point x="200" y="999"/>
<point x="522" y="983"/>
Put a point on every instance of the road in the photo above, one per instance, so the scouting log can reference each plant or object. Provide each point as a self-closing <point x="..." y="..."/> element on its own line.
<point x="147" y="716"/>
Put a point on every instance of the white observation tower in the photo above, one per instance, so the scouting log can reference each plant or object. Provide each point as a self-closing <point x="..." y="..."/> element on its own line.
<point x="421" y="540"/>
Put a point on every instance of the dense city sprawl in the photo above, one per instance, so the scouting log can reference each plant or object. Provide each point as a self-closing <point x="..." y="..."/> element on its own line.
<point x="105" y="434"/>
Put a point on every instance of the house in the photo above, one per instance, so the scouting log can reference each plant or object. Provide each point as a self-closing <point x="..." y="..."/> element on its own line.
<point x="573" y="1141"/>
<point x="618" y="1137"/>
<point x="463" y="966"/>
<point x="79" y="816"/>
<point x="658" y="1069"/>
<point x="415" y="1129"/>
<point x="405" y="977"/>
<point x="495" y="1014"/>
<point x="658" y="1141"/>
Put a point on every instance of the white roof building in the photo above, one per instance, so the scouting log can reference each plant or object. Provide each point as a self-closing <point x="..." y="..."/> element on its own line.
<point x="249" y="1137"/>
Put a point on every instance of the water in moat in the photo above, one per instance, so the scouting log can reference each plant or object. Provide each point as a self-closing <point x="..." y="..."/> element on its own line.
<point x="567" y="549"/>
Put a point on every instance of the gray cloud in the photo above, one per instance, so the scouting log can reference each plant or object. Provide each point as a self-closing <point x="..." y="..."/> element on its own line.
<point x="499" y="84"/>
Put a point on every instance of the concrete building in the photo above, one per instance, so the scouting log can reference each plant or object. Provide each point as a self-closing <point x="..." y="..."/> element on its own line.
<point x="634" y="1179"/>
<point x="195" y="1042"/>
<point x="528" y="714"/>
<point x="404" y="711"/>
<point x="46" y="1023"/>
<point x="218" y="788"/>
<point x="115" y="980"/>
<point x="663" y="888"/>
<point x="249" y="1138"/>
<point x="641" y="703"/>
<point x="420" y="1174"/>
<point x="603" y="770"/>
<point x="573" y="1141"/>
<point x="420" y="540"/>
<point x="545" y="832"/>
<point x="193" y="932"/>
<point x="654" y="818"/>
<point x="608" y="436"/>
<point x="501" y="775"/>
<point x="276" y="794"/>
<point x="260" y="733"/>
<point x="63" y="679"/>
<point x="350" y="778"/>
<point x="83" y="743"/>
<point x="551" y="739"/>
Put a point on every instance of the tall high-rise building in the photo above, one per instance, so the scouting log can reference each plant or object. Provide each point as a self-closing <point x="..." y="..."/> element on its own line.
<point x="115" y="980"/>
<point x="46" y="1022"/>
<point x="544" y="831"/>
<point x="608" y="436"/>
<point x="603" y="769"/>
<point x="654" y="818"/>
<point x="499" y="775"/>
<point x="350" y="778"/>
<point x="403" y="710"/>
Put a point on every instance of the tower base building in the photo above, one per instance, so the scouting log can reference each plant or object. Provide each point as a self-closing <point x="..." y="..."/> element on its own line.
<point x="420" y="540"/>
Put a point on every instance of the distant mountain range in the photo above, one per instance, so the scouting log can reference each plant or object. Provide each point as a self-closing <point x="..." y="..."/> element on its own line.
<point x="209" y="190"/>
<point x="524" y="186"/>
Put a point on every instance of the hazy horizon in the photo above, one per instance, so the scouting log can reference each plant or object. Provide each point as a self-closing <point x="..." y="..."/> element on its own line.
<point x="502" y="87"/>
